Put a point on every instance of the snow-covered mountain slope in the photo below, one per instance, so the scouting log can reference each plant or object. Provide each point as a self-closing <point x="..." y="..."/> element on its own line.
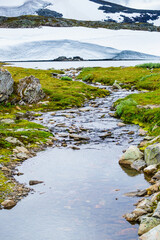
<point x="140" y="41"/>
<point x="49" y="43"/>
<point x="49" y="50"/>
<point x="100" y="10"/>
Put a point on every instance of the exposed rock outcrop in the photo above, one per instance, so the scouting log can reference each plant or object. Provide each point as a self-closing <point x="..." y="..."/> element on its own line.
<point x="6" y="85"/>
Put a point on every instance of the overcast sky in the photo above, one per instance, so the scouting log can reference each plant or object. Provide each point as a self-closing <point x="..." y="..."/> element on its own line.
<point x="144" y="4"/>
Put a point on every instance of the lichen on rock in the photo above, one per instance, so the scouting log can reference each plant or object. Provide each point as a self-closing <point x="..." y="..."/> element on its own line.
<point x="29" y="90"/>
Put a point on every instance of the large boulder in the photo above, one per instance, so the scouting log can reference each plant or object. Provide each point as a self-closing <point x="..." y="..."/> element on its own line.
<point x="132" y="157"/>
<point x="6" y="85"/>
<point x="147" y="223"/>
<point x="29" y="89"/>
<point x="153" y="234"/>
<point x="152" y="154"/>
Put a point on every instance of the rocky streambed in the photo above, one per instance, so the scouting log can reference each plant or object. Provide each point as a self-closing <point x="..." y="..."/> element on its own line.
<point x="82" y="190"/>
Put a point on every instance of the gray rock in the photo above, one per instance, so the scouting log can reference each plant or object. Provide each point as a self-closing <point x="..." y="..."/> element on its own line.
<point x="34" y="182"/>
<point x="7" y="121"/>
<point x="7" y="204"/>
<point x="139" y="193"/>
<point x="153" y="234"/>
<point x="142" y="132"/>
<point x="78" y="137"/>
<point x="138" y="165"/>
<point x="150" y="169"/>
<point x="152" y="154"/>
<point x="157" y="211"/>
<point x="145" y="204"/>
<point x="116" y="85"/>
<point x="147" y="223"/>
<point x="156" y="177"/>
<point x="132" y="154"/>
<point x="134" y="216"/>
<point x="29" y="89"/>
<point x="13" y="141"/>
<point x="6" y="85"/>
<point x="22" y="153"/>
<point x="120" y="124"/>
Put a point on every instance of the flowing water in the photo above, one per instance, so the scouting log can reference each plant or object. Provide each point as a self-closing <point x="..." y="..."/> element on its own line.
<point x="82" y="197"/>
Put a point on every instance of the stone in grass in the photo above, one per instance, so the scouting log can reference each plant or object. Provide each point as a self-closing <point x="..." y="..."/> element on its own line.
<point x="29" y="89"/>
<point x="6" y="85"/>
<point x="8" y="204"/>
<point x="153" y="234"/>
<point x="152" y="154"/>
<point x="14" y="141"/>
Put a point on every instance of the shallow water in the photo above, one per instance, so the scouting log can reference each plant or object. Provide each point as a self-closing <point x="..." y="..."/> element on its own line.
<point x="82" y="196"/>
<point x="65" y="65"/>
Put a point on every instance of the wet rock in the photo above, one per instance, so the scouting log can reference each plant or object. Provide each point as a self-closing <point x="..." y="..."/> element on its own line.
<point x="68" y="116"/>
<point x="29" y="89"/>
<point x="134" y="216"/>
<point x="84" y="109"/>
<point x="6" y="85"/>
<point x="156" y="177"/>
<point x="112" y="114"/>
<point x="131" y="133"/>
<point x="7" y="121"/>
<point x="132" y="154"/>
<point x="142" y="132"/>
<point x="13" y="140"/>
<point x="147" y="223"/>
<point x="157" y="211"/>
<point x="34" y="182"/>
<point x="155" y="197"/>
<point x="5" y="169"/>
<point x="153" y="189"/>
<point x="116" y="85"/>
<point x="120" y="124"/>
<point x="21" y="153"/>
<point x="138" y="165"/>
<point x="78" y="137"/>
<point x="152" y="154"/>
<point x="153" y="234"/>
<point x="145" y="204"/>
<point x="8" y="204"/>
<point x="138" y="193"/>
<point x="108" y="134"/>
<point x="75" y="148"/>
<point x="150" y="169"/>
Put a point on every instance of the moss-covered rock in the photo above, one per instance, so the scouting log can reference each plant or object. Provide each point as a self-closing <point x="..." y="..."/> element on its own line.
<point x="152" y="154"/>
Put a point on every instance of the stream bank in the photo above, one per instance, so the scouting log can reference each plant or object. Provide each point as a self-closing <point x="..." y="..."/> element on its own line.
<point x="82" y="195"/>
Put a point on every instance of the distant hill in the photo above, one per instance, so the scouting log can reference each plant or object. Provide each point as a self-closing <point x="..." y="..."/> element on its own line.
<point x="94" y="10"/>
<point x="50" y="50"/>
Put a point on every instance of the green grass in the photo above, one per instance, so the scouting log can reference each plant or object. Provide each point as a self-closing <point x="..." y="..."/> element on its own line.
<point x="62" y="94"/>
<point x="66" y="78"/>
<point x="149" y="65"/>
<point x="128" y="76"/>
<point x="142" y="77"/>
<point x="5" y="187"/>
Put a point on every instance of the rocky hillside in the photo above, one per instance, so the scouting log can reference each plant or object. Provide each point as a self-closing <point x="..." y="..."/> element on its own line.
<point x="91" y="10"/>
